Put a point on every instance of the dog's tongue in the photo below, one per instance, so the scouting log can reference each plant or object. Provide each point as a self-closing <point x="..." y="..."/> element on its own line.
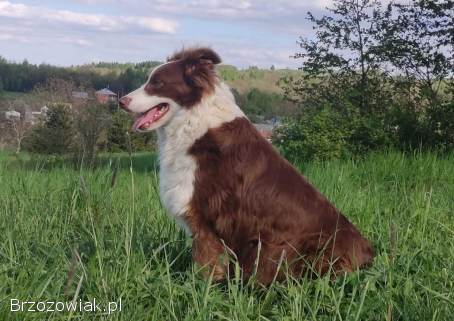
<point x="149" y="117"/>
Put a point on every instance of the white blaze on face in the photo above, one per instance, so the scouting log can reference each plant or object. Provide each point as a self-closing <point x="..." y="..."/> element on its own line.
<point x="155" y="111"/>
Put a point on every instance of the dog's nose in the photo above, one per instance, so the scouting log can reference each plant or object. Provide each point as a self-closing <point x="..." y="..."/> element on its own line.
<point x="124" y="102"/>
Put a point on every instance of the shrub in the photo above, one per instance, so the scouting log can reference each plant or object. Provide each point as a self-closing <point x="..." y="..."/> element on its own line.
<point x="90" y="123"/>
<point x="428" y="128"/>
<point x="368" y="133"/>
<point x="54" y="135"/>
<point x="118" y="132"/>
<point x="441" y="125"/>
<point x="259" y="105"/>
<point x="326" y="133"/>
<point x="316" y="135"/>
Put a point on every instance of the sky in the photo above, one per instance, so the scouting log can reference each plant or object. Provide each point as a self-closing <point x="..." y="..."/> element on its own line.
<point x="73" y="32"/>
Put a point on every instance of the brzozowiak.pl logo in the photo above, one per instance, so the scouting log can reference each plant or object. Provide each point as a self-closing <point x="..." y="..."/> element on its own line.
<point x="75" y="306"/>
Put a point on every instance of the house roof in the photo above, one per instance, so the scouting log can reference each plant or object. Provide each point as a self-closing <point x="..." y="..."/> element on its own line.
<point x="106" y="91"/>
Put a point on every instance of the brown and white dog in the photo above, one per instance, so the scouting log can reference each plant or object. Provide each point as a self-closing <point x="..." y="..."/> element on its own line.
<point x="228" y="187"/>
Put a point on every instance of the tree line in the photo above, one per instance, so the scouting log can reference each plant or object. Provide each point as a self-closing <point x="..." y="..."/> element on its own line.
<point x="121" y="78"/>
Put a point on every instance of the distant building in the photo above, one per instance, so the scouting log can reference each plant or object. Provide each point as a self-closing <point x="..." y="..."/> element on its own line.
<point x="80" y="95"/>
<point x="30" y="116"/>
<point x="105" y="96"/>
<point x="33" y="117"/>
<point x="12" y="115"/>
<point x="79" y="98"/>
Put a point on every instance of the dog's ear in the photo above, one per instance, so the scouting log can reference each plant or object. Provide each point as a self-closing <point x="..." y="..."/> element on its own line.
<point x="198" y="64"/>
<point x="206" y="56"/>
<point x="203" y="54"/>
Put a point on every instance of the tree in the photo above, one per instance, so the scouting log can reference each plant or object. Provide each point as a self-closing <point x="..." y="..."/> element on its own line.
<point x="89" y="122"/>
<point x="120" y="138"/>
<point x="418" y="40"/>
<point x="342" y="62"/>
<point x="18" y="127"/>
<point x="55" y="91"/>
<point x="117" y="139"/>
<point x="54" y="135"/>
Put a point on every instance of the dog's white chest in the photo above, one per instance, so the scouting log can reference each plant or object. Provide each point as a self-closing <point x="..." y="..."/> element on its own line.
<point x="177" y="168"/>
<point x="176" y="179"/>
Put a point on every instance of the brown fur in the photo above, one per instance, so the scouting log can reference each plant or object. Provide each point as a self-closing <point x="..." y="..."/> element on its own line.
<point x="188" y="75"/>
<point x="248" y="197"/>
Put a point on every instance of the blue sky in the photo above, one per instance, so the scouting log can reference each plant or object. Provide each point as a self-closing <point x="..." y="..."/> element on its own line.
<point x="68" y="32"/>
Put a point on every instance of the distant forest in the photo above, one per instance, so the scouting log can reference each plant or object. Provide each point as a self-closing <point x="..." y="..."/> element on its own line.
<point x="121" y="78"/>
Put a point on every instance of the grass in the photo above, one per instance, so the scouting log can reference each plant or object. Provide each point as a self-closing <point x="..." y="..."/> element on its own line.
<point x="8" y="96"/>
<point x="70" y="234"/>
<point x="265" y="80"/>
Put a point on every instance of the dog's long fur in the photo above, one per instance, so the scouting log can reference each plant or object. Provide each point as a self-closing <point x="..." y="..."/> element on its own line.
<point x="230" y="189"/>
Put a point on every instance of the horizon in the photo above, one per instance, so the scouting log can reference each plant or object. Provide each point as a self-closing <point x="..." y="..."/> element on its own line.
<point x="94" y="63"/>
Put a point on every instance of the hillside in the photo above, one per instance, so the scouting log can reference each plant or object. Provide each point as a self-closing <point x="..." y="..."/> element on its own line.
<point x="122" y="77"/>
<point x="243" y="80"/>
<point x="257" y="91"/>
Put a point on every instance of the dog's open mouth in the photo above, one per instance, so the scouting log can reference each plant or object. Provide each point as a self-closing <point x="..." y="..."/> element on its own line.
<point x="151" y="116"/>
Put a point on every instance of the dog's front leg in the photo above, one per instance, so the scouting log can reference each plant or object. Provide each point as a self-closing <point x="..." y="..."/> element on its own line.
<point x="208" y="250"/>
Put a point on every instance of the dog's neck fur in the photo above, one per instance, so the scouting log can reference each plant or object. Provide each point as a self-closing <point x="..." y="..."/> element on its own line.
<point x="177" y="167"/>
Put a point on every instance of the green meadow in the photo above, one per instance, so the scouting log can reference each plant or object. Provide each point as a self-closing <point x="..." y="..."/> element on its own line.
<point x="74" y="235"/>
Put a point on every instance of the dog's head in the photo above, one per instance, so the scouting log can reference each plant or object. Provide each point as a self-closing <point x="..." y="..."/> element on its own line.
<point x="181" y="83"/>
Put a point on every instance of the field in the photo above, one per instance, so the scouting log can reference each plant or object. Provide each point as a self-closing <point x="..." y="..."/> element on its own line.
<point x="70" y="234"/>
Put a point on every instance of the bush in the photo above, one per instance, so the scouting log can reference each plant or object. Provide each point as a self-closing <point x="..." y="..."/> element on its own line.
<point x="120" y="129"/>
<point x="369" y="133"/>
<point x="54" y="135"/>
<point x="90" y="123"/>
<point x="441" y="125"/>
<point x="314" y="135"/>
<point x="431" y="128"/>
<point x="259" y="105"/>
<point x="326" y="133"/>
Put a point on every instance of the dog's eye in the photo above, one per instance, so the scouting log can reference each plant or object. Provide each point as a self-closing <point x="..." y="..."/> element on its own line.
<point x="157" y="84"/>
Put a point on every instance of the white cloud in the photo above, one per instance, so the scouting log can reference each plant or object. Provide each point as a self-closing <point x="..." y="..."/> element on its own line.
<point x="262" y="9"/>
<point x="95" y="1"/>
<point x="76" y="41"/>
<point x="96" y="21"/>
<point x="13" y="37"/>
<point x="262" y="57"/>
<point x="4" y="37"/>
<point x="163" y="25"/>
<point x="213" y="9"/>
<point x="8" y="9"/>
